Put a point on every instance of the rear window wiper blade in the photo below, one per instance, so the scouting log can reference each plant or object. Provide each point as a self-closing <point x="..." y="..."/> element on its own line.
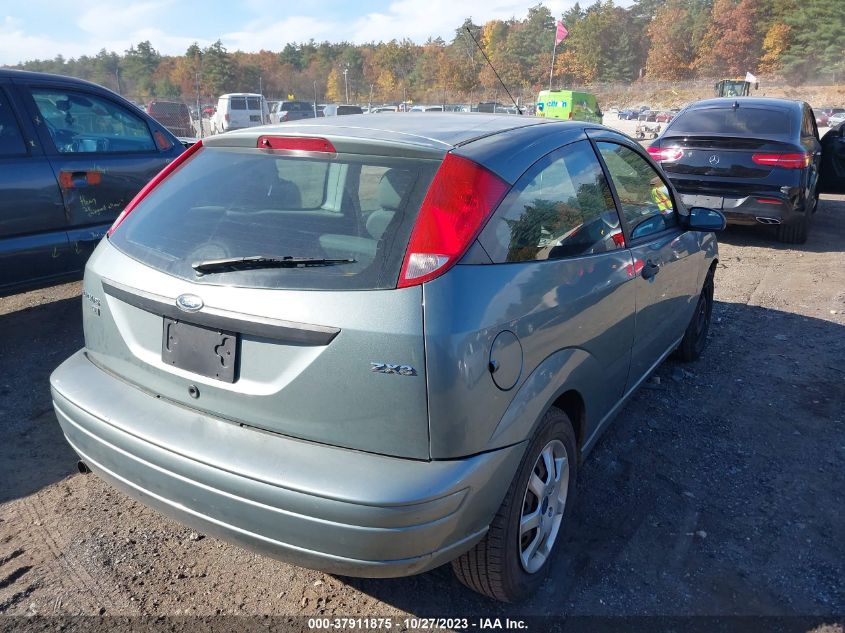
<point x="259" y="261"/>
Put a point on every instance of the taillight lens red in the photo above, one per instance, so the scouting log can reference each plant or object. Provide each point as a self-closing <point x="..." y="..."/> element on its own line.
<point x="666" y="154"/>
<point x="461" y="197"/>
<point x="787" y="161"/>
<point x="300" y="143"/>
<point x="157" y="179"/>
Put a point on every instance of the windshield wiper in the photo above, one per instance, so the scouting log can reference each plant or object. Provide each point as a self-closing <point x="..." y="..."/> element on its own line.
<point x="259" y="261"/>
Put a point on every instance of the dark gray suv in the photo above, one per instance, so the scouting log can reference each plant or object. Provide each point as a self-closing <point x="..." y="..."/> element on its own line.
<point x="377" y="347"/>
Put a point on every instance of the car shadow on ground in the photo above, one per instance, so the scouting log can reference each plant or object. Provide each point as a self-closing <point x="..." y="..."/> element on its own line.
<point x="33" y="341"/>
<point x="716" y="491"/>
<point x="825" y="234"/>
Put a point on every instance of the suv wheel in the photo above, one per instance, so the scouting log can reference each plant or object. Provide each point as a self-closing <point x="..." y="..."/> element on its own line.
<point x="695" y="338"/>
<point x="794" y="232"/>
<point x="510" y="562"/>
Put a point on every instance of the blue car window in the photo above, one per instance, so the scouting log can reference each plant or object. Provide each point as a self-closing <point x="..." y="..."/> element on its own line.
<point x="562" y="207"/>
<point x="82" y="123"/>
<point x="11" y="139"/>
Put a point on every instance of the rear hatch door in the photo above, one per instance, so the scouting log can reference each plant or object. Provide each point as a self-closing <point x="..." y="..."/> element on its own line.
<point x="324" y="350"/>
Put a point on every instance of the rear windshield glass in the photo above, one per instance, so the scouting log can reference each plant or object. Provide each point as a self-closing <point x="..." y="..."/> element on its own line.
<point x="345" y="109"/>
<point x="233" y="202"/>
<point x="254" y="103"/>
<point x="740" y="121"/>
<point x="238" y="103"/>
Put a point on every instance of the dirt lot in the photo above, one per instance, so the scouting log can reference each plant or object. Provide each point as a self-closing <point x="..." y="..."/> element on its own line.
<point x="719" y="490"/>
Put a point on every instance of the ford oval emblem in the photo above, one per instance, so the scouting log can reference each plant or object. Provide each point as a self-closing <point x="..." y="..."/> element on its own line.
<point x="189" y="303"/>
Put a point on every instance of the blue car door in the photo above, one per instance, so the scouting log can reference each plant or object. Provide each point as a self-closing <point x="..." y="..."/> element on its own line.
<point x="33" y="242"/>
<point x="102" y="151"/>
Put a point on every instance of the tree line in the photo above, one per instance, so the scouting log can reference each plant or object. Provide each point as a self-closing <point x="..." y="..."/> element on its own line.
<point x="654" y="39"/>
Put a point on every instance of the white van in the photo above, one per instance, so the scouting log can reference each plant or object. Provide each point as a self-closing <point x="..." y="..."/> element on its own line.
<point x="239" y="110"/>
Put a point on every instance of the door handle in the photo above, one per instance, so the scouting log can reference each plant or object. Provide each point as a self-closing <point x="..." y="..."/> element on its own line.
<point x="650" y="270"/>
<point x="76" y="179"/>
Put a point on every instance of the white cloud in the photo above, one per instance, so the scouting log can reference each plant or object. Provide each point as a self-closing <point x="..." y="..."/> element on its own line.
<point x="119" y="19"/>
<point x="413" y="19"/>
<point x="117" y="24"/>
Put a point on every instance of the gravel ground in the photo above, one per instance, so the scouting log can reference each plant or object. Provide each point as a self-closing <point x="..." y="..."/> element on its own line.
<point x="718" y="491"/>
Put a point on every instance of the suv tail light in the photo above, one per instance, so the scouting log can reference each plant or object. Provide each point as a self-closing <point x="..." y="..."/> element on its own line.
<point x="226" y="117"/>
<point x="665" y="154"/>
<point x="459" y="201"/>
<point x="157" y="179"/>
<point x="787" y="161"/>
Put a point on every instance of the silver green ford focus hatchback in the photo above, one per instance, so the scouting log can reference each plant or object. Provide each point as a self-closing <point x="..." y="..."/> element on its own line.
<point x="377" y="345"/>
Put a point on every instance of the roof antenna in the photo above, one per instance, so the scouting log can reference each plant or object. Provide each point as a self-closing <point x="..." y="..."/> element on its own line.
<point x="518" y="109"/>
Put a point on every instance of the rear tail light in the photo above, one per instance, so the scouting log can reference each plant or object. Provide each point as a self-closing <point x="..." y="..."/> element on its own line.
<point x="787" y="161"/>
<point x="665" y="154"/>
<point x="769" y="201"/>
<point x="157" y="179"/>
<point x="459" y="201"/>
<point x="226" y="117"/>
<point x="283" y="117"/>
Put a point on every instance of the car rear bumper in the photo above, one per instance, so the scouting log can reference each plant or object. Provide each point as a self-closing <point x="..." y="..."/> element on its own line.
<point x="751" y="209"/>
<point x="337" y="510"/>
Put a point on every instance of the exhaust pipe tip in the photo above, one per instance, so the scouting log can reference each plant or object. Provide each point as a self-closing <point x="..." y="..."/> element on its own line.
<point x="765" y="220"/>
<point x="82" y="467"/>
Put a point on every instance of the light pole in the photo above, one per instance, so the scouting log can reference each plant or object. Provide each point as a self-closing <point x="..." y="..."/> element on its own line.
<point x="346" y="82"/>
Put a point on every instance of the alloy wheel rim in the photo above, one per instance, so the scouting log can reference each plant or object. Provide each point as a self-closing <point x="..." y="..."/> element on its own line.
<point x="543" y="505"/>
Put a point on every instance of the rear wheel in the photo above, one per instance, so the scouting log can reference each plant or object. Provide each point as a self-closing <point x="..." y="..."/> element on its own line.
<point x="794" y="232"/>
<point x="511" y="561"/>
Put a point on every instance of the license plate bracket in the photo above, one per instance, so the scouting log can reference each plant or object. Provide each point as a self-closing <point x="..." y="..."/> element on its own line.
<point x="210" y="352"/>
<point x="708" y="202"/>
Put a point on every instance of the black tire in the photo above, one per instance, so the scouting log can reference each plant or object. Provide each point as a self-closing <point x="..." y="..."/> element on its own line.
<point x="695" y="337"/>
<point x="794" y="232"/>
<point x="493" y="567"/>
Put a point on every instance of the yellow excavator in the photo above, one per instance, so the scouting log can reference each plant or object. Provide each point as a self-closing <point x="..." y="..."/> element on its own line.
<point x="733" y="88"/>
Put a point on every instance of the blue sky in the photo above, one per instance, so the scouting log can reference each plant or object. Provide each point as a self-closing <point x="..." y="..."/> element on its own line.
<point x="31" y="29"/>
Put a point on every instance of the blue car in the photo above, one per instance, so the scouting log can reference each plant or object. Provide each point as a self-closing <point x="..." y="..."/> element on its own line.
<point x="72" y="155"/>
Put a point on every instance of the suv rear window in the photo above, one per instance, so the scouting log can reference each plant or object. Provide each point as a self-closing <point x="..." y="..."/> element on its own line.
<point x="234" y="202"/>
<point x="742" y="121"/>
<point x="237" y="103"/>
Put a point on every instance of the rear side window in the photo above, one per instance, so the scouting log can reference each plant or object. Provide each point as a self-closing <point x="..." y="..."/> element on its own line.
<point x="742" y="121"/>
<point x="234" y="202"/>
<point x="237" y="103"/>
<point x="85" y="123"/>
<point x="11" y="139"/>
<point x="561" y="207"/>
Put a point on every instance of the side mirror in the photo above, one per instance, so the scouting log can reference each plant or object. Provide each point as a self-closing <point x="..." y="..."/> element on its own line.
<point x="702" y="219"/>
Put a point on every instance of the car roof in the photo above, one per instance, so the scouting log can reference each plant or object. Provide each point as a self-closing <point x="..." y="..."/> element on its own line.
<point x="240" y="94"/>
<point x="748" y="102"/>
<point x="14" y="73"/>
<point x="443" y="132"/>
